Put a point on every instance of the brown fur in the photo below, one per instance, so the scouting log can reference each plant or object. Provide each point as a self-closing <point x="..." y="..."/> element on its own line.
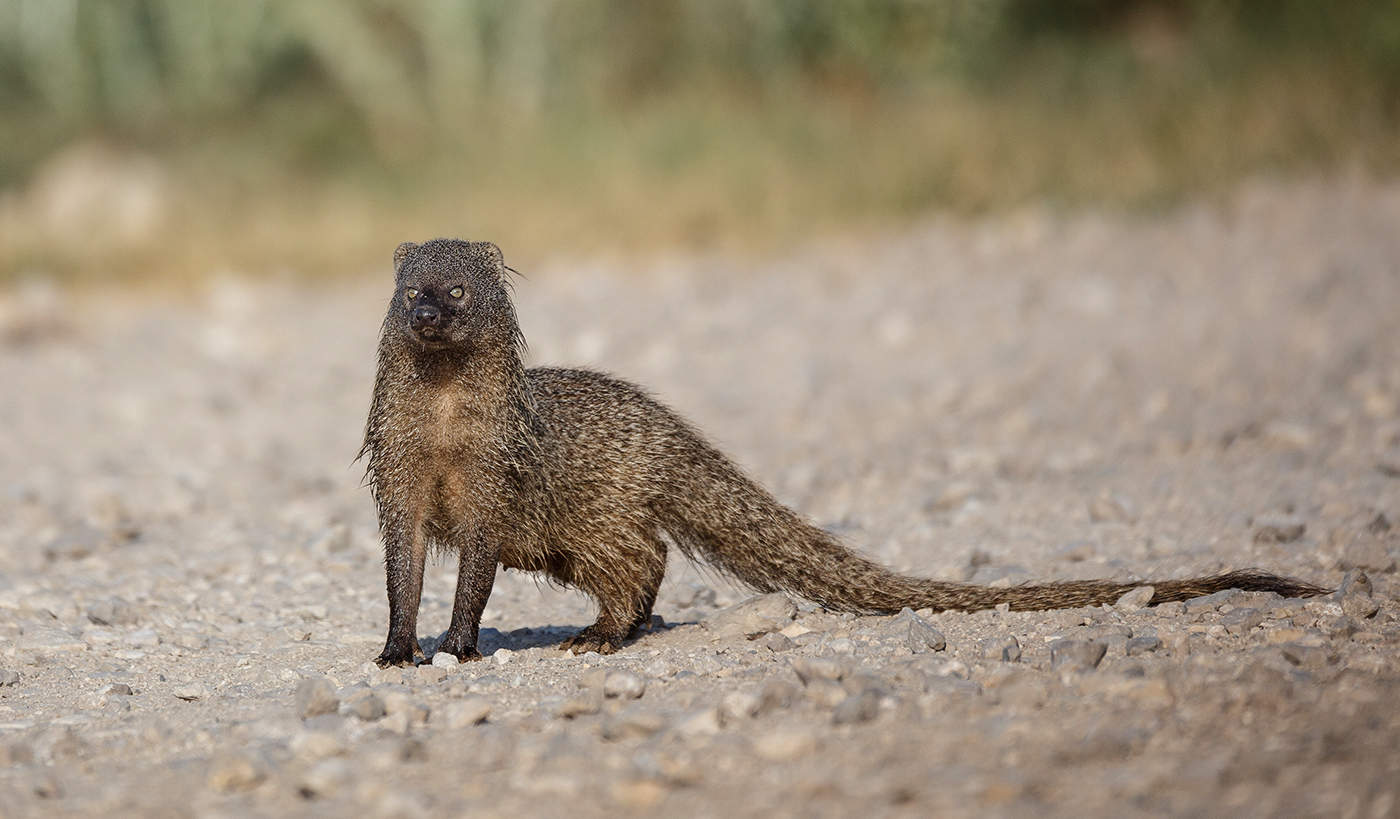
<point x="576" y="474"/>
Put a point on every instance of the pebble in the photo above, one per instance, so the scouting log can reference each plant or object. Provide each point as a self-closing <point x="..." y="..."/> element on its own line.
<point x="441" y="659"/>
<point x="118" y="689"/>
<point x="8" y="677"/>
<point x="809" y="669"/>
<point x="623" y="685"/>
<point x="776" y="642"/>
<point x="1111" y="509"/>
<point x="1142" y="645"/>
<point x="1135" y="600"/>
<point x="315" y="695"/>
<point x="1367" y="551"/>
<point x="1077" y="655"/>
<point x="233" y="772"/>
<point x="753" y="617"/>
<point x="579" y="706"/>
<point x="738" y="706"/>
<point x="51" y="638"/>
<point x="916" y="632"/>
<point x="1278" y="529"/>
<point x="325" y="778"/>
<point x="190" y="692"/>
<point x="633" y="723"/>
<point x="1006" y="649"/>
<point x="314" y="745"/>
<point x="113" y="611"/>
<point x="15" y="753"/>
<point x="785" y="744"/>
<point x="825" y="693"/>
<point x="857" y="708"/>
<point x="465" y="713"/>
<point x="365" y="705"/>
<point x="502" y="656"/>
<point x="1242" y="621"/>
<point x="702" y="722"/>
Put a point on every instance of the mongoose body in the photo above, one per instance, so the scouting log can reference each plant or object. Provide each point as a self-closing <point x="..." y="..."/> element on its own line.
<point x="577" y="475"/>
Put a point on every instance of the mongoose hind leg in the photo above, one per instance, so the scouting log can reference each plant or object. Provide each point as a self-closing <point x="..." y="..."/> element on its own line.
<point x="625" y="599"/>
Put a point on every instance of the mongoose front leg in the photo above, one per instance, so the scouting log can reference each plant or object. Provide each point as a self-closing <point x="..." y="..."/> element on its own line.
<point x="476" y="572"/>
<point x="404" y="552"/>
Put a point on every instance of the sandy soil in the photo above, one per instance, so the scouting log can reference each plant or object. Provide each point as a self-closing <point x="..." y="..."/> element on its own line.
<point x="191" y="586"/>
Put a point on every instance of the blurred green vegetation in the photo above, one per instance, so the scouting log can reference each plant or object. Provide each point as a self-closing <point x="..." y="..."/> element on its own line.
<point x="314" y="134"/>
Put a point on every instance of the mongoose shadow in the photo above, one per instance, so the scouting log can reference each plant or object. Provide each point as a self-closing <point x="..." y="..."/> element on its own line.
<point x="585" y="479"/>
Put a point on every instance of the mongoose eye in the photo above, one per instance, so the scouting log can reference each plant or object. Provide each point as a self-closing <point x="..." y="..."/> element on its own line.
<point x="411" y="292"/>
<point x="456" y="292"/>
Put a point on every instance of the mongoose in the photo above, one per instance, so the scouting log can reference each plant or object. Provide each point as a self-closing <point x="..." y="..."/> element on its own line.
<point x="577" y="474"/>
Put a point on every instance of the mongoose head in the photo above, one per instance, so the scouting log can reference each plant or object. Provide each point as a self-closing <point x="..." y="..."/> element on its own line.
<point x="449" y="293"/>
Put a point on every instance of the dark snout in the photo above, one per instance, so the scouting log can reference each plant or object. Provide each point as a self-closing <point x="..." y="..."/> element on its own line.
<point x="424" y="317"/>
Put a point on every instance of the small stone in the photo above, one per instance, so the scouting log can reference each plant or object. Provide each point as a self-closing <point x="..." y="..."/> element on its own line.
<point x="1311" y="658"/>
<point x="658" y="668"/>
<point x="753" y="617"/>
<point x="579" y="706"/>
<point x="366" y="705"/>
<point x="776" y="641"/>
<point x="825" y="693"/>
<point x="1355" y="582"/>
<point x="785" y="744"/>
<point x="8" y="677"/>
<point x="739" y="706"/>
<point x="1111" y="509"/>
<point x="1360" y="606"/>
<point x="190" y="692"/>
<point x="115" y="689"/>
<point x="916" y="632"/>
<point x="1077" y="655"/>
<point x="857" y="708"/>
<point x="236" y="772"/>
<point x="623" y="685"/>
<point x="50" y="638"/>
<point x="15" y="753"/>
<point x="1142" y="645"/>
<point x="843" y="646"/>
<point x="432" y="674"/>
<point x="325" y="778"/>
<point x="315" y="745"/>
<point x="1135" y="600"/>
<point x="1006" y="649"/>
<point x="1211" y="602"/>
<point x="113" y="611"/>
<point x="1076" y="551"/>
<point x="809" y="669"/>
<point x="703" y="722"/>
<point x="503" y="656"/>
<point x="441" y="659"/>
<point x="633" y="724"/>
<point x="639" y="794"/>
<point x="1367" y="551"/>
<point x="315" y="695"/>
<point x="775" y="695"/>
<point x="467" y="712"/>
<point x="1242" y="621"/>
<point x="1276" y="529"/>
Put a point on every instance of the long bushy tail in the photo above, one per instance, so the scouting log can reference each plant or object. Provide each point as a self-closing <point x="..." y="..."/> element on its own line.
<point x="723" y="516"/>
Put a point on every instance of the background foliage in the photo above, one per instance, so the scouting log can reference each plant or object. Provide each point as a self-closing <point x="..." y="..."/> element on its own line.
<point x="315" y="133"/>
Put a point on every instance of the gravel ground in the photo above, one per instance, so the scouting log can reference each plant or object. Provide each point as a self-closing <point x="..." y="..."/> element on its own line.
<point x="191" y="587"/>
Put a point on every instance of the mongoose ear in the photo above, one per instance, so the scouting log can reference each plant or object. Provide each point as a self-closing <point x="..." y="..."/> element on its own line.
<point x="496" y="257"/>
<point x="401" y="252"/>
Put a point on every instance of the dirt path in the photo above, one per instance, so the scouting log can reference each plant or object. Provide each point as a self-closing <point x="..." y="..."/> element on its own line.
<point x="184" y="545"/>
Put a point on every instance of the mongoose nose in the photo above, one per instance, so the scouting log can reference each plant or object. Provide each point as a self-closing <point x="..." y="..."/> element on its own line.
<point x="425" y="316"/>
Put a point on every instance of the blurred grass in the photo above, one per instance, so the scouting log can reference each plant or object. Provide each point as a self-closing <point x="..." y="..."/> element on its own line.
<point x="314" y="135"/>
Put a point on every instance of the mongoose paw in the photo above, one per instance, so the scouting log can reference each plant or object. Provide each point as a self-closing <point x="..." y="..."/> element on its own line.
<point x="590" y="640"/>
<point x="458" y="646"/>
<point x="399" y="655"/>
